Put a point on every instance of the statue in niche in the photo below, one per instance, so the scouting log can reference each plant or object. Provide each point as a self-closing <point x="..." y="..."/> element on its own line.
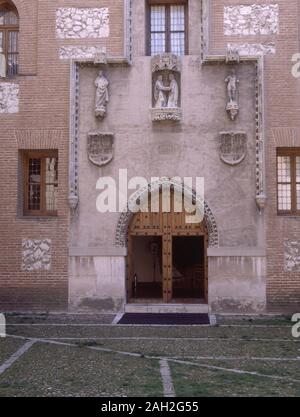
<point x="102" y="96"/>
<point x="159" y="93"/>
<point x="174" y="92"/>
<point x="162" y="100"/>
<point x="232" y="90"/>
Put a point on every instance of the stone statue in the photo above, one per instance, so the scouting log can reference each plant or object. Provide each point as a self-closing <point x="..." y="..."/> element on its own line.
<point x="174" y="93"/>
<point x="232" y="90"/>
<point x="102" y="97"/>
<point x="159" y="93"/>
<point x="232" y="86"/>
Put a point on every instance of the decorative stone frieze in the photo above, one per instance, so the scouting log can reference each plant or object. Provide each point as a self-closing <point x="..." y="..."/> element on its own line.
<point x="255" y="19"/>
<point x="160" y="115"/>
<point x="233" y="147"/>
<point x="100" y="148"/>
<point x="36" y="255"/>
<point x="9" y="98"/>
<point x="253" y="49"/>
<point x="292" y="255"/>
<point x="81" y="23"/>
<point x="80" y="52"/>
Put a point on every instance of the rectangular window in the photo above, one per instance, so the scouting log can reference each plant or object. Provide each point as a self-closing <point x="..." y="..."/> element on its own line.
<point x="288" y="181"/>
<point x="40" y="183"/>
<point x="167" y="27"/>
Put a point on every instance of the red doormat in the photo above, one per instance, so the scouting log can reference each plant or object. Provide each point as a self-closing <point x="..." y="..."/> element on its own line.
<point x="165" y="319"/>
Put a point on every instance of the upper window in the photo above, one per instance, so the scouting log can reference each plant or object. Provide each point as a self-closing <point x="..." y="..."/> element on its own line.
<point x="40" y="183"/>
<point x="288" y="181"/>
<point x="167" y="27"/>
<point x="9" y="37"/>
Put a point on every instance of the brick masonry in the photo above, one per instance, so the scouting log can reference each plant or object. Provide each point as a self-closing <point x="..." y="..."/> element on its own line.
<point x="41" y="123"/>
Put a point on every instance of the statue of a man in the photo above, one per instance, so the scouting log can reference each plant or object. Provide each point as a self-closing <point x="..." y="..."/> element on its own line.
<point x="174" y="92"/>
<point x="102" y="96"/>
<point x="159" y="93"/>
<point x="232" y="87"/>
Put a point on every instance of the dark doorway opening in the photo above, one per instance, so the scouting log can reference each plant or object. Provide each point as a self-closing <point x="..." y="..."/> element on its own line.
<point x="147" y="268"/>
<point x="188" y="267"/>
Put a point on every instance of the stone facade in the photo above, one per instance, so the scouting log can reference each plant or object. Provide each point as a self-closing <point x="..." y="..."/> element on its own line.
<point x="255" y="19"/>
<point x="81" y="23"/>
<point x="9" y="98"/>
<point x="77" y="260"/>
<point x="36" y="255"/>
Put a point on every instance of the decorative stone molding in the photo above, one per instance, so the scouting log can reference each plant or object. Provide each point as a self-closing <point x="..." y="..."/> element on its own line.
<point x="160" y="115"/>
<point x="82" y="23"/>
<point x="100" y="147"/>
<point x="9" y="97"/>
<point x="292" y="255"/>
<point x="80" y="52"/>
<point x="233" y="147"/>
<point x="232" y="55"/>
<point x="255" y="19"/>
<point x="253" y="49"/>
<point x="36" y="255"/>
<point x="260" y="135"/>
<point x="126" y="216"/>
<point x="74" y="138"/>
<point x="166" y="62"/>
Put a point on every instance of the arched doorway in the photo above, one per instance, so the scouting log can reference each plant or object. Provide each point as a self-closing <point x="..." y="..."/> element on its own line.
<point x="167" y="257"/>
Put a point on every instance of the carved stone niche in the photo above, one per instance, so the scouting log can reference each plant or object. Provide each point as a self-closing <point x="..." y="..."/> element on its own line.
<point x="100" y="148"/>
<point x="166" y="88"/>
<point x="233" y="147"/>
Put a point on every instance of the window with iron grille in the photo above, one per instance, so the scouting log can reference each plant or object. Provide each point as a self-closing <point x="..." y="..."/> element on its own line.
<point x="167" y="27"/>
<point x="40" y="183"/>
<point x="9" y="39"/>
<point x="288" y="181"/>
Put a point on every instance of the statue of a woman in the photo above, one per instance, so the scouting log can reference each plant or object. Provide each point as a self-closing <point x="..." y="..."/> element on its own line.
<point x="174" y="93"/>
<point x="159" y="93"/>
<point x="102" y="96"/>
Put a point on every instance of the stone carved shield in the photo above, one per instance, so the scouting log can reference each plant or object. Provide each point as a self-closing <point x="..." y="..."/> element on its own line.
<point x="100" y="148"/>
<point x="233" y="147"/>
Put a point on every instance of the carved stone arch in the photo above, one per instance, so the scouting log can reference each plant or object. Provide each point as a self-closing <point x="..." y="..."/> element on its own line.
<point x="127" y="215"/>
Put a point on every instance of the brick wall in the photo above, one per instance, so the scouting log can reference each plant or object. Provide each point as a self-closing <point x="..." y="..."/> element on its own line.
<point x="42" y="123"/>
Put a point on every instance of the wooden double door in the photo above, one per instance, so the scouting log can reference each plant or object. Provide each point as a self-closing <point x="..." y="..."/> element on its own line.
<point x="167" y="259"/>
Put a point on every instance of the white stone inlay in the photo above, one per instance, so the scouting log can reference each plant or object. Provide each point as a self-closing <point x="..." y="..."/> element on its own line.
<point x="292" y="255"/>
<point x="80" y="52"/>
<point x="36" y="255"/>
<point x="246" y="49"/>
<point x="80" y="23"/>
<point x="9" y="98"/>
<point x="255" y="19"/>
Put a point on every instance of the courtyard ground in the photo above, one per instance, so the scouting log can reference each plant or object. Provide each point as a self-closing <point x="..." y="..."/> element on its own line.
<point x="89" y="356"/>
